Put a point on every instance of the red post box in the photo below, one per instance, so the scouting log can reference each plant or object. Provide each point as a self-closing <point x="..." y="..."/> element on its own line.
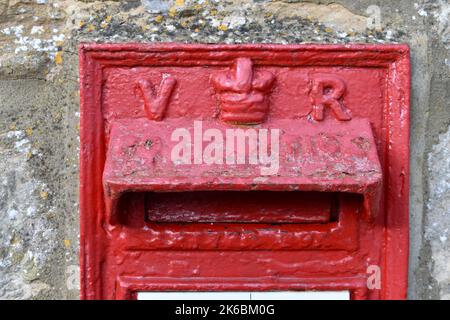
<point x="244" y="168"/>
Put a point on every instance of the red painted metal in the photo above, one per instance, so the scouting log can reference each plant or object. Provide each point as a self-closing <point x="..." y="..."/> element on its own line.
<point x="244" y="207"/>
<point x="336" y="206"/>
<point x="243" y="93"/>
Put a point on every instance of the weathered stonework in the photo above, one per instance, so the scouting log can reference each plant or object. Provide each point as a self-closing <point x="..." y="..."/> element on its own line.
<point x="437" y="231"/>
<point x="39" y="105"/>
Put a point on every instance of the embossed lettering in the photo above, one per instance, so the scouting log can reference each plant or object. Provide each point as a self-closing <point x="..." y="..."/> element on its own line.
<point x="155" y="103"/>
<point x="327" y="91"/>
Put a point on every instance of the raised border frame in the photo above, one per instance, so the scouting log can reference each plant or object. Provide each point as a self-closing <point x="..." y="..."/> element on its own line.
<point x="395" y="58"/>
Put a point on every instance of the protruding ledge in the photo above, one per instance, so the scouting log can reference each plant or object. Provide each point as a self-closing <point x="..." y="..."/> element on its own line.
<point x="328" y="156"/>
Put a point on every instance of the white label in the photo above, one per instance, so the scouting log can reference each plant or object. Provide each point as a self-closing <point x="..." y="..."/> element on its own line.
<point x="245" y="295"/>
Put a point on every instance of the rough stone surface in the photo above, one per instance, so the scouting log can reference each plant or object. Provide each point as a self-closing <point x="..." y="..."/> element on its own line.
<point x="437" y="232"/>
<point x="39" y="112"/>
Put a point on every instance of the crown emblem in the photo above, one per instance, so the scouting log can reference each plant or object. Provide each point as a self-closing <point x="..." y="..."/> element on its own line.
<point x="243" y="93"/>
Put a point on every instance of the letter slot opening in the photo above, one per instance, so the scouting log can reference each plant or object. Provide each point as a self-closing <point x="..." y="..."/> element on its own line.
<point x="241" y="207"/>
<point x="204" y="192"/>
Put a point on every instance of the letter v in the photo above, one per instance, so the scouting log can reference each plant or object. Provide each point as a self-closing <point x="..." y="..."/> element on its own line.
<point x="155" y="104"/>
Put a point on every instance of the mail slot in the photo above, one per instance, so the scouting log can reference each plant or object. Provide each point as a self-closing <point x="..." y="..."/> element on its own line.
<point x="242" y="207"/>
<point x="250" y="169"/>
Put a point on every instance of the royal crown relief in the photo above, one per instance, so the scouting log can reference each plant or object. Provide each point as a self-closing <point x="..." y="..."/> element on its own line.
<point x="243" y="94"/>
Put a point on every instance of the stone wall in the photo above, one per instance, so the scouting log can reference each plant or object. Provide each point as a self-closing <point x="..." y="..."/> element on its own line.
<point x="39" y="113"/>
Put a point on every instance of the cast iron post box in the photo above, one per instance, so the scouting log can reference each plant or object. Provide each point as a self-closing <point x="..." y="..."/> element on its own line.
<point x="244" y="168"/>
